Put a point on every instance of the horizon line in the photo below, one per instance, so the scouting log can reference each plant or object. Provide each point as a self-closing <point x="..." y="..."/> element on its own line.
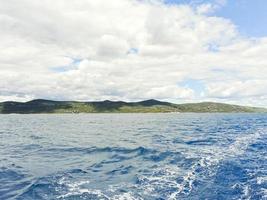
<point x="116" y="101"/>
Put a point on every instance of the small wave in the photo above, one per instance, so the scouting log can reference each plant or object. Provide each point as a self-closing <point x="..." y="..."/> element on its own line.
<point x="120" y="170"/>
<point x="139" y="150"/>
<point x="201" y="142"/>
<point x="13" y="179"/>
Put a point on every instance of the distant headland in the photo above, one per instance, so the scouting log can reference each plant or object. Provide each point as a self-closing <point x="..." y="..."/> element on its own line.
<point x="148" y="106"/>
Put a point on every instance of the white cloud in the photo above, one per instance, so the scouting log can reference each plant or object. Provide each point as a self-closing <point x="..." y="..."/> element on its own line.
<point x="126" y="49"/>
<point x="238" y="89"/>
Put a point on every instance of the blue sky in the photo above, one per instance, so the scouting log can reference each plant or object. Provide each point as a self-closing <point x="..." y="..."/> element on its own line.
<point x="250" y="16"/>
<point x="196" y="85"/>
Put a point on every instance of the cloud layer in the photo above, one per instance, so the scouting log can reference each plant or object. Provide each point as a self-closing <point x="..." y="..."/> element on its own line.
<point x="127" y="50"/>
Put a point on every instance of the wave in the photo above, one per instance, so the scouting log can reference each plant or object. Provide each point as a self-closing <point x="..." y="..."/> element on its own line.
<point x="139" y="150"/>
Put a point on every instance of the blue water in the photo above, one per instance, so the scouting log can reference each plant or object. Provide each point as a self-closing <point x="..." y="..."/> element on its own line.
<point x="133" y="156"/>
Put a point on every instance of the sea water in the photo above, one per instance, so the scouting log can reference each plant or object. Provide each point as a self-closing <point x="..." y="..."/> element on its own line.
<point x="133" y="156"/>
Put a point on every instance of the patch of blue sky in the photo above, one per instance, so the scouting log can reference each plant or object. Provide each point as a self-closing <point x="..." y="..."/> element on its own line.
<point x="75" y="62"/>
<point x="249" y="16"/>
<point x="197" y="85"/>
<point x="133" y="51"/>
<point x="213" y="48"/>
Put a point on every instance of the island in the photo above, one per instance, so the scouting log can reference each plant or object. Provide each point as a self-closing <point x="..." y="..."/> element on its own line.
<point x="147" y="106"/>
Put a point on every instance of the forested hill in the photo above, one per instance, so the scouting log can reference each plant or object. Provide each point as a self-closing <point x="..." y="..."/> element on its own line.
<point x="153" y="106"/>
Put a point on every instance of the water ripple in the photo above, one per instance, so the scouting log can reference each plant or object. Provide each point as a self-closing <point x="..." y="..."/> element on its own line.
<point x="117" y="157"/>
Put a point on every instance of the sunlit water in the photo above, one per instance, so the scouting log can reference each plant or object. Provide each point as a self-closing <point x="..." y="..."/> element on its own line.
<point x="133" y="156"/>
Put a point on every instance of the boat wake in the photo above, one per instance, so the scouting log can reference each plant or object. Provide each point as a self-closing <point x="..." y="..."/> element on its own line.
<point x="205" y="168"/>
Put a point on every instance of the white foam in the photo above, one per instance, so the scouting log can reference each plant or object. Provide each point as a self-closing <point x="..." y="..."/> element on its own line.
<point x="245" y="189"/>
<point x="76" y="188"/>
<point x="80" y="191"/>
<point x="264" y="193"/>
<point x="261" y="180"/>
<point x="211" y="156"/>
<point x="125" y="196"/>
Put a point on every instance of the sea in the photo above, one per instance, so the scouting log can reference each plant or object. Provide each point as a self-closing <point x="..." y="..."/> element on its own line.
<point x="133" y="156"/>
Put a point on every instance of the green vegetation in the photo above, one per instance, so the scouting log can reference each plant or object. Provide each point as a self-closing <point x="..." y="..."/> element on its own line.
<point x="149" y="106"/>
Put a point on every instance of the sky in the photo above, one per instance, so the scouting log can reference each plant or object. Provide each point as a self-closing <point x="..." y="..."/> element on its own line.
<point x="172" y="50"/>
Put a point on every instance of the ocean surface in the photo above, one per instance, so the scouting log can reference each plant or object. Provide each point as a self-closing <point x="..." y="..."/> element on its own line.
<point x="133" y="156"/>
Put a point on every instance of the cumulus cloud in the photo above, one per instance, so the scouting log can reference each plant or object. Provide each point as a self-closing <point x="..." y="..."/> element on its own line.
<point x="126" y="50"/>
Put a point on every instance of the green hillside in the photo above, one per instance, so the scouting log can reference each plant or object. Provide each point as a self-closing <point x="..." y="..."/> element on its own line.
<point x="148" y="106"/>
